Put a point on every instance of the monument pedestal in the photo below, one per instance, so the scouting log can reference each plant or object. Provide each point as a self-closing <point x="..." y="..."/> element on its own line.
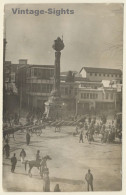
<point x="54" y="107"/>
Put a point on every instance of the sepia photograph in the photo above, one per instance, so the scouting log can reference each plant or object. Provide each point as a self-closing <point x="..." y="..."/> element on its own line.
<point x="62" y="97"/>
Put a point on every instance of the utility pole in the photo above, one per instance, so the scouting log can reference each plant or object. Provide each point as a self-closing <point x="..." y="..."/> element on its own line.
<point x="20" y="104"/>
<point x="115" y="100"/>
<point x="76" y="107"/>
<point x="4" y="69"/>
<point x="77" y="101"/>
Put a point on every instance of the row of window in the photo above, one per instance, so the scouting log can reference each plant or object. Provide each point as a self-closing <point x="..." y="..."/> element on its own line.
<point x="40" y="73"/>
<point x="89" y="96"/>
<point x="47" y="88"/>
<point x="43" y="73"/>
<point x="108" y="96"/>
<point x="95" y="96"/>
<point x="89" y="86"/>
<point x="105" y="106"/>
<point x="39" y="88"/>
<point x="28" y="73"/>
<point x="68" y="91"/>
<point x="108" y="75"/>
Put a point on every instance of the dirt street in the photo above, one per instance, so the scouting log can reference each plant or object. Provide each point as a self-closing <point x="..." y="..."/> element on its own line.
<point x="69" y="164"/>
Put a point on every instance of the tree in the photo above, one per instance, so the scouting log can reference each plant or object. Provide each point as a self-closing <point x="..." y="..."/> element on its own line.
<point x="70" y="77"/>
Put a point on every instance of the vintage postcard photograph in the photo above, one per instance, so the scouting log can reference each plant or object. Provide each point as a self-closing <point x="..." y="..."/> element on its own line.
<point x="62" y="97"/>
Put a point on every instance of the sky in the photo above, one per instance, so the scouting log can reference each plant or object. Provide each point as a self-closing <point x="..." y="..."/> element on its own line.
<point x="93" y="35"/>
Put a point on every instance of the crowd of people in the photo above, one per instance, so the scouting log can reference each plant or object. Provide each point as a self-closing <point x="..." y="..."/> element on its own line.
<point x="11" y="119"/>
<point x="90" y="127"/>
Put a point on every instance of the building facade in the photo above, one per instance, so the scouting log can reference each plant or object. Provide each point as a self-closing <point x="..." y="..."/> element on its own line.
<point x="96" y="101"/>
<point x="39" y="84"/>
<point x="92" y="90"/>
<point x="99" y="74"/>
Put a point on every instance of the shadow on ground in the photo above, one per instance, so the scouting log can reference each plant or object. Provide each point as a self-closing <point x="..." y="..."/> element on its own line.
<point x="68" y="181"/>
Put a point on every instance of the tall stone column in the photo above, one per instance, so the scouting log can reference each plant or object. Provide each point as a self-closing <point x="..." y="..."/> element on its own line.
<point x="54" y="103"/>
<point x="57" y="46"/>
<point x="57" y="72"/>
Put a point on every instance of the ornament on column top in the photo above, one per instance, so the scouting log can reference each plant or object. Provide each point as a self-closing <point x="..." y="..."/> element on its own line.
<point x="58" y="44"/>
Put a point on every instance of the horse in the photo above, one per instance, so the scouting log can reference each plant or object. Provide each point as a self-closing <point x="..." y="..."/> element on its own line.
<point x="39" y="164"/>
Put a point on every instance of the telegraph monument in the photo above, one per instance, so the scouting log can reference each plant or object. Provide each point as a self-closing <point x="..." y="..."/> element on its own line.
<point x="53" y="107"/>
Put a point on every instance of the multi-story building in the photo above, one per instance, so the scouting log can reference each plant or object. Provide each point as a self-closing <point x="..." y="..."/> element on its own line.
<point x="99" y="74"/>
<point x="7" y="75"/>
<point x="90" y="90"/>
<point x="10" y="71"/>
<point x="10" y="100"/>
<point x="96" y="100"/>
<point x="101" y="95"/>
<point x="39" y="84"/>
